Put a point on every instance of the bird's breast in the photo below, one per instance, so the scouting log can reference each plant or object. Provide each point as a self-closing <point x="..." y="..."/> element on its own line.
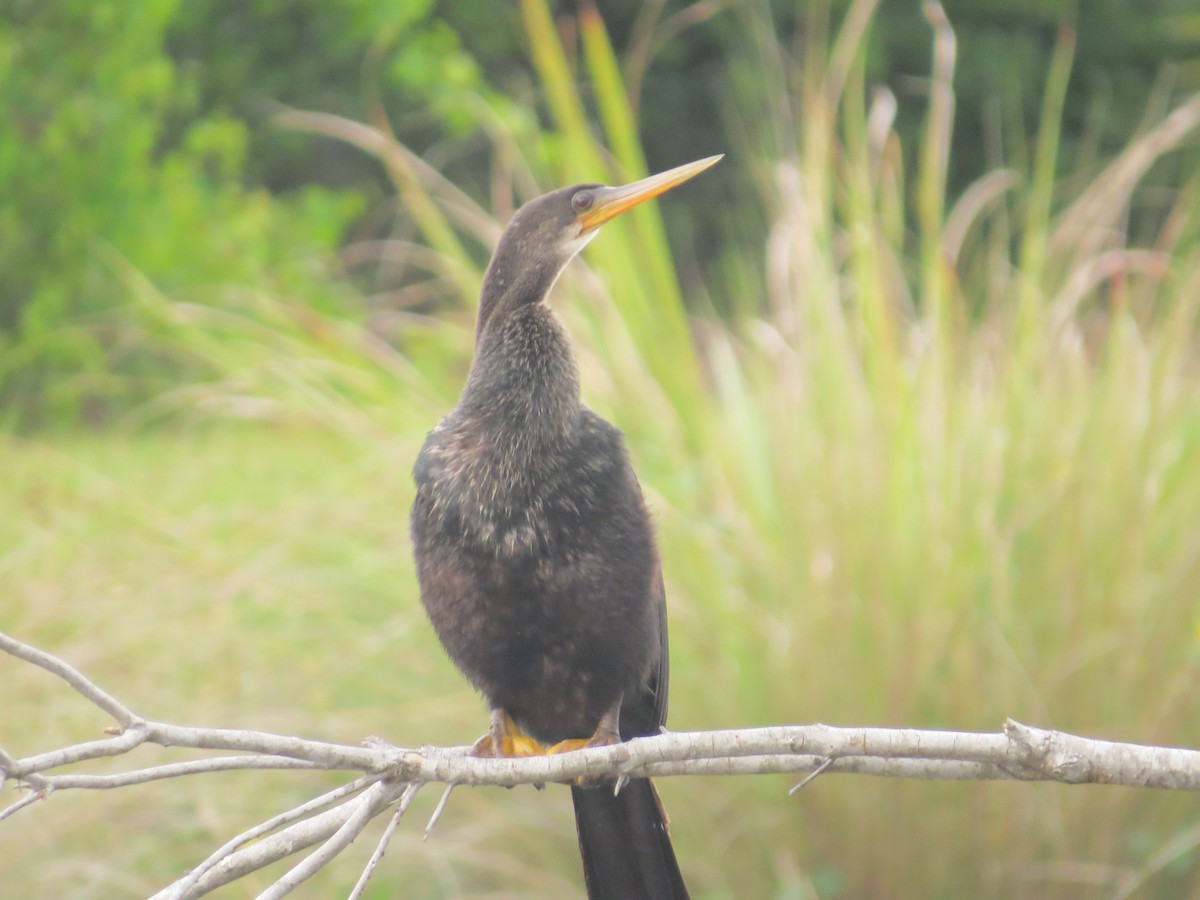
<point x="498" y="494"/>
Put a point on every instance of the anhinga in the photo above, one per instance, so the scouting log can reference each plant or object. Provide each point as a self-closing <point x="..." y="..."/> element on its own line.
<point x="534" y="550"/>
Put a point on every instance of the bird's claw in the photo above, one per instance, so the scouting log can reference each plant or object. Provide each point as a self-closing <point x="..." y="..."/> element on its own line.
<point x="505" y="740"/>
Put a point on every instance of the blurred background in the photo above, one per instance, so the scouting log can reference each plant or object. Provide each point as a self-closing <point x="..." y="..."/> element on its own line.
<point x="910" y="381"/>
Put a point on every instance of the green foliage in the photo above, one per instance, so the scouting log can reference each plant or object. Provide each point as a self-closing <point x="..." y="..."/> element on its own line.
<point x="356" y="58"/>
<point x="287" y="52"/>
<point x="87" y="178"/>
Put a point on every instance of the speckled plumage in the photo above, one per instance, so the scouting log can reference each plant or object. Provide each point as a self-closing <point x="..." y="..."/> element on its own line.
<point x="536" y="555"/>
<point x="534" y="549"/>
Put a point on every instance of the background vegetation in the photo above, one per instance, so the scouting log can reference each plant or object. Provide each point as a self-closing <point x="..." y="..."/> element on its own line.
<point x="910" y="379"/>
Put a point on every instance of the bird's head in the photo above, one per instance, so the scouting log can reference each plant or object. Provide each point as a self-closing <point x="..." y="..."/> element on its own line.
<point x="566" y="219"/>
<point x="546" y="233"/>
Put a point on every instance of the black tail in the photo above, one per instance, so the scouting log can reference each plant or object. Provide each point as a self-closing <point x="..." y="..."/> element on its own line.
<point x="623" y="840"/>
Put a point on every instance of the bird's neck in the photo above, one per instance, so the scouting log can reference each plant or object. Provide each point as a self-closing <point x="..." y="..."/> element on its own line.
<point x="523" y="389"/>
<point x="524" y="383"/>
<point x="515" y="278"/>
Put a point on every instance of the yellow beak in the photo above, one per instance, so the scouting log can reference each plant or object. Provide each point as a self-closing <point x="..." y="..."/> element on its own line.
<point x="610" y="202"/>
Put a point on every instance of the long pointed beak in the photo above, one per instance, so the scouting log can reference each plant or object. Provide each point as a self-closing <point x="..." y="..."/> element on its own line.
<point x="612" y="201"/>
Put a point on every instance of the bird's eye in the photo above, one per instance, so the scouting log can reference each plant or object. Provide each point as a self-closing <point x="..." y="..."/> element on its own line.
<point x="582" y="201"/>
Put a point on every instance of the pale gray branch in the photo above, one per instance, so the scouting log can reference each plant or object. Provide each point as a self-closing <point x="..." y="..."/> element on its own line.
<point x="31" y="797"/>
<point x="114" y="746"/>
<point x="1018" y="753"/>
<point x="375" y="800"/>
<point x="281" y="845"/>
<point x="893" y="752"/>
<point x="381" y="846"/>
<point x="1058" y="756"/>
<point x="441" y="807"/>
<point x="8" y="768"/>
<point x="71" y="676"/>
<point x="320" y="753"/>
<point x="183" y="886"/>
<point x="251" y="858"/>
<point x="174" y="770"/>
<point x="315" y="754"/>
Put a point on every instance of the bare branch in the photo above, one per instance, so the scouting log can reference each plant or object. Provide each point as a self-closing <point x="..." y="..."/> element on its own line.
<point x="186" y="884"/>
<point x="283" y="844"/>
<point x="896" y="752"/>
<point x="71" y="676"/>
<point x="114" y="746"/>
<point x="374" y="801"/>
<point x="1058" y="756"/>
<point x="812" y="776"/>
<point x="320" y="753"/>
<point x="8" y="769"/>
<point x="381" y="847"/>
<point x="437" y="812"/>
<point x="393" y="773"/>
<point x="809" y="764"/>
<point x="31" y="797"/>
<point x="174" y="770"/>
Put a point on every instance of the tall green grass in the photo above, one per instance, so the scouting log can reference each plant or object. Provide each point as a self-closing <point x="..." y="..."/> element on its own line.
<point x="938" y="472"/>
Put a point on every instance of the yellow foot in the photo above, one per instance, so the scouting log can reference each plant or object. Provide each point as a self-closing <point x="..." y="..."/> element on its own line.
<point x="567" y="746"/>
<point x="581" y="744"/>
<point x="607" y="733"/>
<point x="603" y="737"/>
<point x="505" y="740"/>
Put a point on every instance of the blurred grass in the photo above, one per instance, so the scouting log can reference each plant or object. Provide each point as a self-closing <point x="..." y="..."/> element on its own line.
<point x="938" y="473"/>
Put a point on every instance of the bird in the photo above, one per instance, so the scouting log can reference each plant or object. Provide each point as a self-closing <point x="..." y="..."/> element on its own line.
<point x="535" y="552"/>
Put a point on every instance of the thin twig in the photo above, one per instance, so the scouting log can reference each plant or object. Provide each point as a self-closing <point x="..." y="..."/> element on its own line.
<point x="31" y="797"/>
<point x="384" y="839"/>
<point x="437" y="812"/>
<point x="368" y="805"/>
<point x="115" y="746"/>
<point x="71" y="676"/>
<point x="175" y="770"/>
<point x="811" y="776"/>
<point x="259" y="853"/>
<point x="184" y="885"/>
